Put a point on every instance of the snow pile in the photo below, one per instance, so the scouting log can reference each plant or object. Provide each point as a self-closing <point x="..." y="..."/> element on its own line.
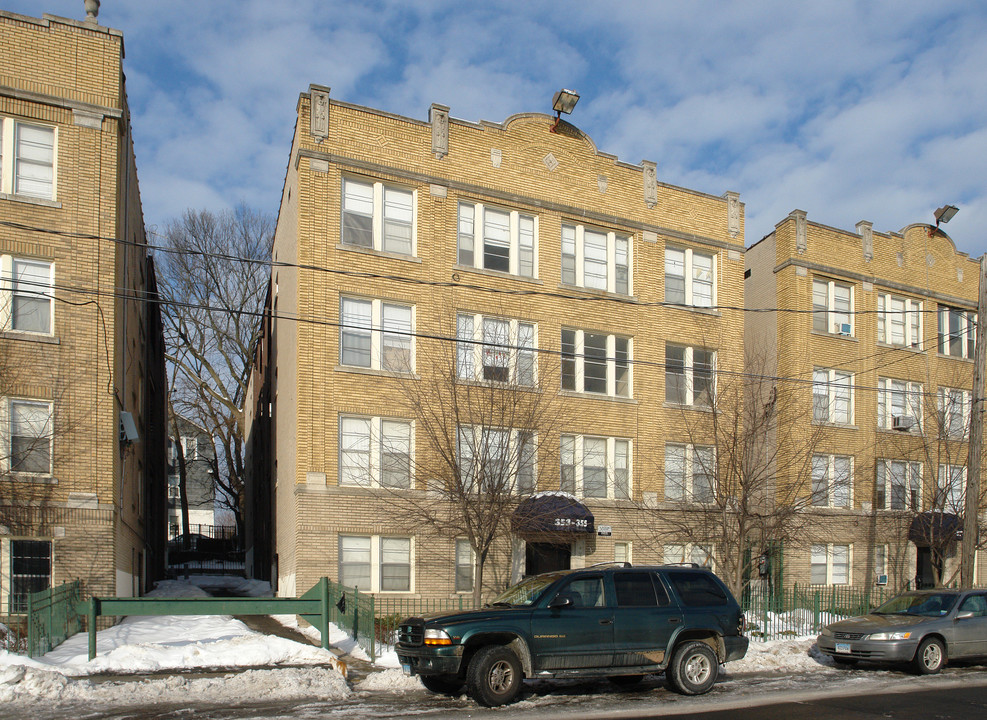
<point x="794" y="624"/>
<point x="780" y="655"/>
<point x="390" y="680"/>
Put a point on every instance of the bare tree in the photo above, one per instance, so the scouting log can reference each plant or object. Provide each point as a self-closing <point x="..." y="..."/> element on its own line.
<point x="213" y="275"/>
<point x="487" y="415"/>
<point x="738" y="483"/>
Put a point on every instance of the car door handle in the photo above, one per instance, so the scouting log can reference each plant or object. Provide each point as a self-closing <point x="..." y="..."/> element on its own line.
<point x="674" y="620"/>
<point x="606" y="621"/>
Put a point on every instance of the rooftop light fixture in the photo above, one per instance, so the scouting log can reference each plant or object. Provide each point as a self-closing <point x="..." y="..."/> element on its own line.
<point x="563" y="102"/>
<point x="945" y="214"/>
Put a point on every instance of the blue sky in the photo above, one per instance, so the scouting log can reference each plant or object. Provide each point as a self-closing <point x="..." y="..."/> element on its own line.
<point x="848" y="110"/>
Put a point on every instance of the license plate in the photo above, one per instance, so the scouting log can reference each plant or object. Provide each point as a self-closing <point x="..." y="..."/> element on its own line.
<point x="843" y="648"/>
<point x="407" y="669"/>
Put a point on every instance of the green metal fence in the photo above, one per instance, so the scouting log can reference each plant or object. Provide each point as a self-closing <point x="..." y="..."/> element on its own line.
<point x="52" y="616"/>
<point x="803" y="610"/>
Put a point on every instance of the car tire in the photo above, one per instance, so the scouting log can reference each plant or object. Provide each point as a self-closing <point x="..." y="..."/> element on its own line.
<point x="442" y="684"/>
<point x="626" y="680"/>
<point x="693" y="669"/>
<point x="494" y="676"/>
<point x="930" y="656"/>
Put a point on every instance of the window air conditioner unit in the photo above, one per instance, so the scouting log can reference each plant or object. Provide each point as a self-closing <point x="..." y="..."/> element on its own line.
<point x="902" y="422"/>
<point x="882" y="579"/>
<point x="843" y="328"/>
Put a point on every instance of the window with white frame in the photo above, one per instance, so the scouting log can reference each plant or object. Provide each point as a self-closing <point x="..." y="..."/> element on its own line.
<point x="30" y="571"/>
<point x="832" y="307"/>
<point x="880" y="560"/>
<point x="832" y="396"/>
<point x="373" y="563"/>
<point x="899" y="485"/>
<point x="622" y="552"/>
<point x="27" y="159"/>
<point x="378" y="216"/>
<point x="899" y="405"/>
<point x="26" y="303"/>
<point x="30" y="434"/>
<point x="951" y="486"/>
<point x="464" y="566"/>
<point x="899" y="321"/>
<point x="690" y="473"/>
<point x="689" y="378"/>
<point x="690" y="277"/>
<point x="595" y="467"/>
<point x="957" y="332"/>
<point x="832" y="481"/>
<point x="682" y="553"/>
<point x="596" y="259"/>
<point x="375" y="452"/>
<point x="376" y="334"/>
<point x="830" y="564"/>
<point x="496" y="461"/>
<point x="491" y="238"/>
<point x="596" y="363"/>
<point x="495" y="349"/>
<point x="954" y="411"/>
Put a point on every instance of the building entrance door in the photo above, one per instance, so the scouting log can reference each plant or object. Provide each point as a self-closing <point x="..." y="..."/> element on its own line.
<point x="928" y="566"/>
<point x="541" y="557"/>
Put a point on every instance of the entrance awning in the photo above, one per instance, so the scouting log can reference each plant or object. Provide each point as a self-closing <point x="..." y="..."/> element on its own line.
<point x="552" y="512"/>
<point x="935" y="529"/>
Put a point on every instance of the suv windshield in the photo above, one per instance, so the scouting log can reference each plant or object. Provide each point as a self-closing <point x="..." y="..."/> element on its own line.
<point x="927" y="604"/>
<point x="527" y="591"/>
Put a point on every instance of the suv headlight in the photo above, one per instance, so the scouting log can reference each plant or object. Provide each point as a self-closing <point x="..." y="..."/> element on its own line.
<point x="890" y="636"/>
<point x="826" y="632"/>
<point x="434" y="636"/>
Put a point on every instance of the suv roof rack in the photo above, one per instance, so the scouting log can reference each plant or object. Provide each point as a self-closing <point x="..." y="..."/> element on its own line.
<point x="618" y="563"/>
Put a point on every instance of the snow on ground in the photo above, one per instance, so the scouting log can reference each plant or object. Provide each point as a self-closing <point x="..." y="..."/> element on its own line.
<point x="174" y="643"/>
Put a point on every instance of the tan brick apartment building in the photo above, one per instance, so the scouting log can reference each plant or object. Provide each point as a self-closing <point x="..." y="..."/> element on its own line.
<point x="82" y="449"/>
<point x="445" y="257"/>
<point x="873" y="336"/>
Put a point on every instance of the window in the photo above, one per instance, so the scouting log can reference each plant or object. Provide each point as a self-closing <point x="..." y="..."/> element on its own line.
<point x="639" y="589"/>
<point x="30" y="303"/>
<point x="830" y="565"/>
<point x="30" y="571"/>
<point x="951" y="488"/>
<point x="690" y="473"/>
<point x="899" y="321"/>
<point x="174" y="490"/>
<point x="954" y="412"/>
<point x="832" y="307"/>
<point x="374" y="563"/>
<point x="375" y="452"/>
<point x="622" y="552"/>
<point x="596" y="363"/>
<point x="495" y="239"/>
<point x="596" y="259"/>
<point x="899" y="485"/>
<point x="680" y="554"/>
<point x="899" y="405"/>
<point x="832" y="396"/>
<point x="689" y="375"/>
<point x="378" y="216"/>
<point x="28" y="171"/>
<point x="30" y="437"/>
<point x="376" y="334"/>
<point x="957" y="332"/>
<point x="464" y="566"/>
<point x="690" y="277"/>
<point x="595" y="467"/>
<point x="880" y="560"/>
<point x="832" y="481"/>
<point x="495" y="349"/>
<point x="697" y="589"/>
<point x="496" y="461"/>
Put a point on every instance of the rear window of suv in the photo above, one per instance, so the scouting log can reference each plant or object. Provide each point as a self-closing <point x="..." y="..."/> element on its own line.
<point x="697" y="589"/>
<point x="639" y="589"/>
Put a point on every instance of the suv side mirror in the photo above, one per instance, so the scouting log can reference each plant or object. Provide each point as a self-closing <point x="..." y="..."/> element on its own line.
<point x="964" y="614"/>
<point x="560" y="601"/>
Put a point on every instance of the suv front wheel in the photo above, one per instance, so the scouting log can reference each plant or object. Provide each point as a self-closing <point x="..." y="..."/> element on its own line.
<point x="494" y="676"/>
<point x="693" y="669"/>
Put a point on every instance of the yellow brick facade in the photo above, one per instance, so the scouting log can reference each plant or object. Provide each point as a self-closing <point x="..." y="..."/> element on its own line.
<point x="920" y="271"/>
<point x="91" y="363"/>
<point x="517" y="166"/>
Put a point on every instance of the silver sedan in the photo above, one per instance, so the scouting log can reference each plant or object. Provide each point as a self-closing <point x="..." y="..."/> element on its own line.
<point x="923" y="627"/>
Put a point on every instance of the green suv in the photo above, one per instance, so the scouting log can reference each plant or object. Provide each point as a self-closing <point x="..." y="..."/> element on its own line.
<point x="614" y="621"/>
